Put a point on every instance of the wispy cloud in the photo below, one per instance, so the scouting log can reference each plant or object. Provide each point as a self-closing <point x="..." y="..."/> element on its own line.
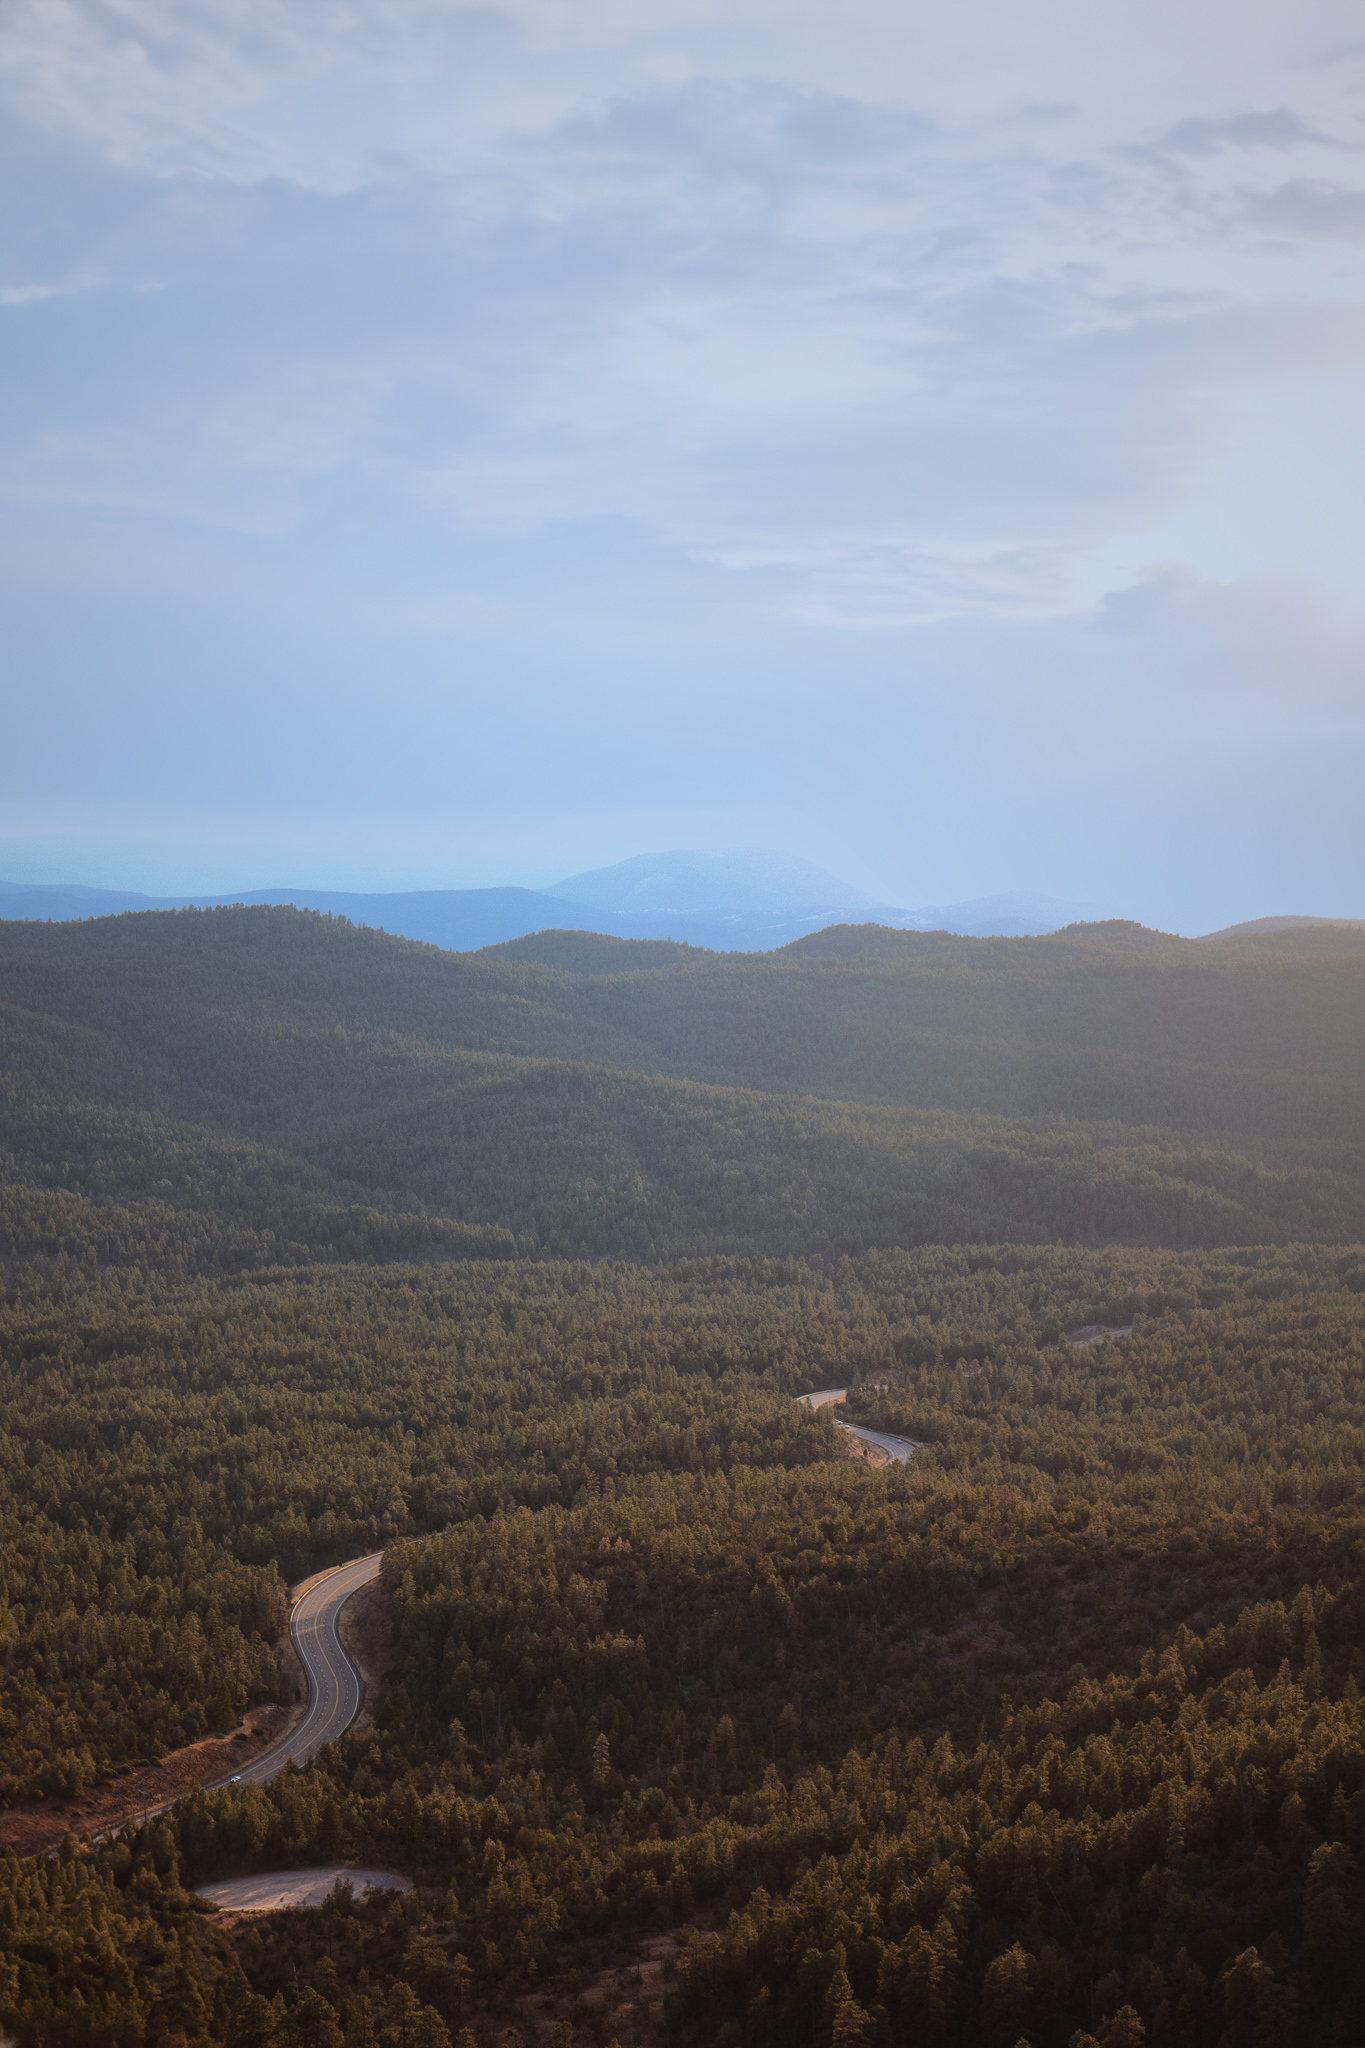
<point x="1272" y="128"/>
<point x="1308" y="209"/>
<point x="765" y="322"/>
<point x="532" y="337"/>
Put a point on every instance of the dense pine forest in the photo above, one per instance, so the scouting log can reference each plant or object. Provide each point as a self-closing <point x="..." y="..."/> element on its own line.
<point x="317" y="1242"/>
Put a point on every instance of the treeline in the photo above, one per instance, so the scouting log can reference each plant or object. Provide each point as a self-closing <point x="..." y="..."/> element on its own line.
<point x="720" y="1703"/>
<point x="1239" y="1385"/>
<point x="314" y="1242"/>
<point x="1255" y="1036"/>
<point x="104" y="1948"/>
<point x="1011" y="1746"/>
<point x="1165" y="1854"/>
<point x="1171" y="1858"/>
<point x="171" y="1457"/>
<point x="118" y="1648"/>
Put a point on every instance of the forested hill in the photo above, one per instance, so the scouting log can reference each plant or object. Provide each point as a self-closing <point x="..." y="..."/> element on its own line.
<point x="315" y="1241"/>
<point x="235" y="1087"/>
<point x="1260" y="1035"/>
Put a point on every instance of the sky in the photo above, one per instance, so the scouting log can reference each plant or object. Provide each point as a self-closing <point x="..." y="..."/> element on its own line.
<point x="445" y="445"/>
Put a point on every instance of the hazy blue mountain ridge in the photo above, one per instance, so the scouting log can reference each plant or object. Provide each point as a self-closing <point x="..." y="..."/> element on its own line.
<point x="728" y="901"/>
<point x="729" y="881"/>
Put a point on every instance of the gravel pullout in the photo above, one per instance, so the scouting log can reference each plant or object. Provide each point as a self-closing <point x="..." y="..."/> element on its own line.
<point x="273" y="1889"/>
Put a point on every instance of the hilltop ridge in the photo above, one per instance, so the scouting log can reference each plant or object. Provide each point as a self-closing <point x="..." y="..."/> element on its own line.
<point x="241" y="1086"/>
<point x="316" y="1242"/>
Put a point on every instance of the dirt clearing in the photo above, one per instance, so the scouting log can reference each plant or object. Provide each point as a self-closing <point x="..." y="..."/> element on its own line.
<point x="32" y="1830"/>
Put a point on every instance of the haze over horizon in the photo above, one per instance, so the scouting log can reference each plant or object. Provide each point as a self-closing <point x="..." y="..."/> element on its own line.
<point x="469" y="447"/>
<point x="734" y="899"/>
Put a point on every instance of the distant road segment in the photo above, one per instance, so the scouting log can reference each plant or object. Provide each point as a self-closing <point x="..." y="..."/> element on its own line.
<point x="900" y="1449"/>
<point x="333" y="1682"/>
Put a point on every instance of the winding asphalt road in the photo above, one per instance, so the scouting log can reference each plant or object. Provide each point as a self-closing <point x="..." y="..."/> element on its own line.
<point x="333" y="1682"/>
<point x="899" y="1449"/>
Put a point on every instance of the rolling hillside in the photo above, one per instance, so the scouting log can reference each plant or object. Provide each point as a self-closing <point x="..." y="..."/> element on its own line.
<point x="317" y="1242"/>
<point x="218" y="1089"/>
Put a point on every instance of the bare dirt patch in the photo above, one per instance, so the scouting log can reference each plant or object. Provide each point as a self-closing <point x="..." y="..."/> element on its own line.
<point x="624" y="2002"/>
<point x="32" y="1830"/>
<point x="369" y="1638"/>
<point x="1095" y="1333"/>
<point x="871" y="1454"/>
<point x="642" y="2007"/>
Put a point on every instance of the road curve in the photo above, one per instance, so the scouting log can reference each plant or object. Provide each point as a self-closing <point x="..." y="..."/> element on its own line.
<point x="333" y="1682"/>
<point x="899" y="1449"/>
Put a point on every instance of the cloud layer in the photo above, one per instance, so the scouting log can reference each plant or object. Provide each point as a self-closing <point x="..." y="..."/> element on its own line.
<point x="673" y="377"/>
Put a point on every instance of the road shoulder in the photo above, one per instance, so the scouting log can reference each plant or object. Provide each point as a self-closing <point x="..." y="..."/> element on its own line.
<point x="34" y="1830"/>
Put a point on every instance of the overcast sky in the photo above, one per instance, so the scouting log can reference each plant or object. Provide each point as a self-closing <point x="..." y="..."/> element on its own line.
<point x="450" y="444"/>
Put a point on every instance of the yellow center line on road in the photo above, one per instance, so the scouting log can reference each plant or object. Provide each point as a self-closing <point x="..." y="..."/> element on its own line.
<point x="325" y="1679"/>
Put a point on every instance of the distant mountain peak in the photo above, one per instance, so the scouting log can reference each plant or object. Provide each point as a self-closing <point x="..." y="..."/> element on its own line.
<point x="733" y="878"/>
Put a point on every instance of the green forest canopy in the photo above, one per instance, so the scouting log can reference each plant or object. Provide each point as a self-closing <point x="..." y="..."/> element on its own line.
<point x="317" y="1241"/>
<point x="209" y="1091"/>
